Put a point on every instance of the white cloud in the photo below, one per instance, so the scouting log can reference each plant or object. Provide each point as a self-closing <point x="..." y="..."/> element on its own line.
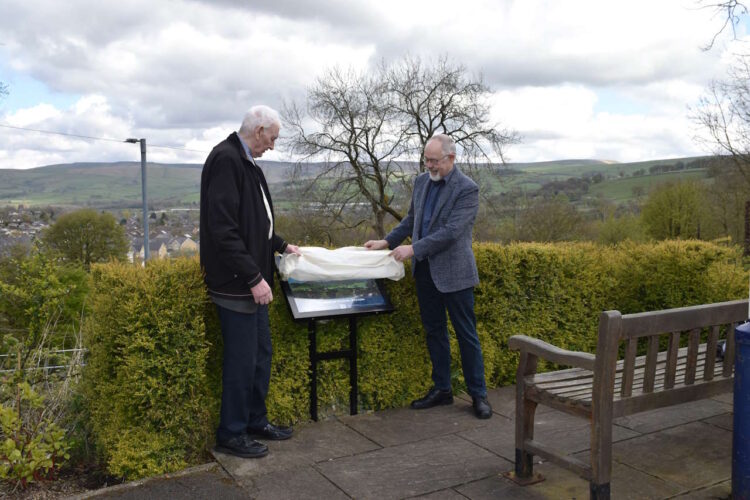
<point x="582" y="78"/>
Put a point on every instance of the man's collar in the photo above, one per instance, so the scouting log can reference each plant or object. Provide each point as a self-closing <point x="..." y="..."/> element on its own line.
<point x="447" y="178"/>
<point x="246" y="148"/>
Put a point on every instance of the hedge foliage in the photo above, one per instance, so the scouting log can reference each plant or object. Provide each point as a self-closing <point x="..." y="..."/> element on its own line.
<point x="153" y="377"/>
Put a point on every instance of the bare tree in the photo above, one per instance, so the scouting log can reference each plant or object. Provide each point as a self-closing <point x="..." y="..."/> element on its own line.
<point x="369" y="129"/>
<point x="356" y="134"/>
<point x="725" y="114"/>
<point x="733" y="10"/>
<point x="443" y="99"/>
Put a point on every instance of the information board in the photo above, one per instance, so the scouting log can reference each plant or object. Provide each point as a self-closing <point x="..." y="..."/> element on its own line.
<point x="324" y="299"/>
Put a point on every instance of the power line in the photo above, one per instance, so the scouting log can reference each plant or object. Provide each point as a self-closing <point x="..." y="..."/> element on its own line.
<point x="94" y="138"/>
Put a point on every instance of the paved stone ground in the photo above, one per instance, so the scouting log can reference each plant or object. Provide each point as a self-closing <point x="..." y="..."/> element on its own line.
<point x="445" y="453"/>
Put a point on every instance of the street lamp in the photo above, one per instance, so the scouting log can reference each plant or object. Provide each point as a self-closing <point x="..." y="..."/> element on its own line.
<point x="143" y="192"/>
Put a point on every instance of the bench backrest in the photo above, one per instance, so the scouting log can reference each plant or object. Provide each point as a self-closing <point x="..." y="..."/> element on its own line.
<point x="675" y="366"/>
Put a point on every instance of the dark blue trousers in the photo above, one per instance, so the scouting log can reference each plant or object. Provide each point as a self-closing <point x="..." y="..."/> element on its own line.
<point x="460" y="306"/>
<point x="246" y="371"/>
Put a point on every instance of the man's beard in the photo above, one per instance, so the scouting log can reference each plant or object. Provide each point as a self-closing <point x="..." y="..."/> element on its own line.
<point x="435" y="177"/>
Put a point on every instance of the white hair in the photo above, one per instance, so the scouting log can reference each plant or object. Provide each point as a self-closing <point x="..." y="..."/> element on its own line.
<point x="259" y="116"/>
<point x="447" y="145"/>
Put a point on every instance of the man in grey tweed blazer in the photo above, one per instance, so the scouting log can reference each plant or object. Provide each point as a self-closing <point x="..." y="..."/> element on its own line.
<point x="440" y="220"/>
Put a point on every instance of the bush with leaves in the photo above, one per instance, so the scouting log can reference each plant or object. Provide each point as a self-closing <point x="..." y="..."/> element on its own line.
<point x="32" y="445"/>
<point x="40" y="296"/>
<point x="41" y="305"/>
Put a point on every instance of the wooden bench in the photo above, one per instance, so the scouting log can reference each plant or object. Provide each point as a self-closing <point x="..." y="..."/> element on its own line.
<point x="602" y="387"/>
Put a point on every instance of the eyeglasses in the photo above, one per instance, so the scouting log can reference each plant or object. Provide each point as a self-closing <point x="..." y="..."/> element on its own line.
<point x="428" y="161"/>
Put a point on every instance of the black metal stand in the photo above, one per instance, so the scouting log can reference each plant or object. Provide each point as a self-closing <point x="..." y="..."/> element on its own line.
<point x="316" y="356"/>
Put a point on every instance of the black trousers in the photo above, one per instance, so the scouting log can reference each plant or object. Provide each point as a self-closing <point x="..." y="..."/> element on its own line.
<point x="246" y="371"/>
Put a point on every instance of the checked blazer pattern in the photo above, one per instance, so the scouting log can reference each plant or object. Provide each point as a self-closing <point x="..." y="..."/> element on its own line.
<point x="447" y="244"/>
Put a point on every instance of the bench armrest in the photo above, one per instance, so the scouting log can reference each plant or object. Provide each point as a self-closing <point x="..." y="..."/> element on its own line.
<point x="551" y="353"/>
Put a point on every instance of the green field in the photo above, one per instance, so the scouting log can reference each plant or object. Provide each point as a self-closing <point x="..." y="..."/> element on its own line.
<point x="620" y="190"/>
<point x="111" y="185"/>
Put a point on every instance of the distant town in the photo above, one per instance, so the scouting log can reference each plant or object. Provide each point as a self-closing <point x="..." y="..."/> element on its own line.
<point x="172" y="231"/>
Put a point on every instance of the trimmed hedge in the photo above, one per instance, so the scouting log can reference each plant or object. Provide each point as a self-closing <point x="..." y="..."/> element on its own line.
<point x="153" y="375"/>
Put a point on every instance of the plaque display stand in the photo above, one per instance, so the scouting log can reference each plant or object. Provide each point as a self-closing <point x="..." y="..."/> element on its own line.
<point x="316" y="301"/>
<point x="315" y="357"/>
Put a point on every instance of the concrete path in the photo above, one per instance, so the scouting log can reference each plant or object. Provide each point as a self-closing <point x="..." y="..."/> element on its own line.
<point x="446" y="453"/>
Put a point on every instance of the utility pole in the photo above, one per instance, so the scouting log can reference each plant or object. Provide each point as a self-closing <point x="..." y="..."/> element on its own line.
<point x="143" y="195"/>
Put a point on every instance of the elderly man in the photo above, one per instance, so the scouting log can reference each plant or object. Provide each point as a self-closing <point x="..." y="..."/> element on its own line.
<point x="440" y="220"/>
<point x="236" y="252"/>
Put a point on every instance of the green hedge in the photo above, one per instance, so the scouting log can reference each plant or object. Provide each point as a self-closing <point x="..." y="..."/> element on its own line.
<point x="153" y="376"/>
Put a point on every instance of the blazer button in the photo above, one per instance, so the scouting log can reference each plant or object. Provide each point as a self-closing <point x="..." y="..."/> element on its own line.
<point x="235" y="275"/>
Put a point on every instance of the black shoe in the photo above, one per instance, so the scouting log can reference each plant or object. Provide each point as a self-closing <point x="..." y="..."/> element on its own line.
<point x="433" y="398"/>
<point x="272" y="432"/>
<point x="242" y="446"/>
<point x="482" y="408"/>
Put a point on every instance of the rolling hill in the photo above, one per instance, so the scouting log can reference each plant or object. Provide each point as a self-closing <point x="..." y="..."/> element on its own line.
<point x="115" y="185"/>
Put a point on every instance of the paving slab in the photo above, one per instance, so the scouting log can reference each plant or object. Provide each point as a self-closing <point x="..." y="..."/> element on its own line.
<point x="301" y="484"/>
<point x="310" y="443"/>
<point x="404" y="425"/>
<point x="563" y="432"/>
<point x="203" y="482"/>
<point x="446" y="453"/>
<point x="503" y="401"/>
<point x="413" y="469"/>
<point x="449" y="494"/>
<point x="727" y="398"/>
<point x="721" y="491"/>
<point x="560" y="483"/>
<point x="671" y="416"/>
<point x="725" y="421"/>
<point x="692" y="455"/>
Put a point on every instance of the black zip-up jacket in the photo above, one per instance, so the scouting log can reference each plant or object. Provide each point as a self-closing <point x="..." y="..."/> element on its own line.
<point x="234" y="247"/>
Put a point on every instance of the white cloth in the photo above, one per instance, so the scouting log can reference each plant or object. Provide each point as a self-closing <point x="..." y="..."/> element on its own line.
<point x="347" y="263"/>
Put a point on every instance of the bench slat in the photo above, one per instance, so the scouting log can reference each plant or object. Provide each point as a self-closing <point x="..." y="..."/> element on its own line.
<point x="674" y="346"/>
<point x="629" y="366"/>
<point x="692" y="361"/>
<point x="555" y="380"/>
<point x="713" y="340"/>
<point x="651" y="356"/>
<point x="584" y="393"/>
<point x="580" y="388"/>
<point x="682" y="319"/>
<point x="562" y="460"/>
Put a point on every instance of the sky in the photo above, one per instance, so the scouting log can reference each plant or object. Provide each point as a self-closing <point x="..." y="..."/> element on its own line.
<point x="580" y="79"/>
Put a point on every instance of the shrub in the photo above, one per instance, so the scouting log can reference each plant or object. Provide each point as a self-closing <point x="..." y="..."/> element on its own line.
<point x="147" y="372"/>
<point x="153" y="378"/>
<point x="41" y="304"/>
<point x="32" y="446"/>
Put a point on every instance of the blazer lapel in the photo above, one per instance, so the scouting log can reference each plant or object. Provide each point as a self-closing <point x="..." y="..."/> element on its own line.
<point x="445" y="195"/>
<point x="420" y="195"/>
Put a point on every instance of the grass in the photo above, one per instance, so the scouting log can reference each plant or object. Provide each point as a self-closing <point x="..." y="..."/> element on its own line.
<point x="621" y="190"/>
<point x="119" y="184"/>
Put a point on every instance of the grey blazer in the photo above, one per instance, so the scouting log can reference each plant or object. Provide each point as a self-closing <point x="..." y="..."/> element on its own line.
<point x="447" y="245"/>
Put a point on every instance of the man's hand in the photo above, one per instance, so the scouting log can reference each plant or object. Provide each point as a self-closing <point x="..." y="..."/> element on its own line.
<point x="262" y="293"/>
<point x="292" y="249"/>
<point x="376" y="245"/>
<point x="402" y="253"/>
